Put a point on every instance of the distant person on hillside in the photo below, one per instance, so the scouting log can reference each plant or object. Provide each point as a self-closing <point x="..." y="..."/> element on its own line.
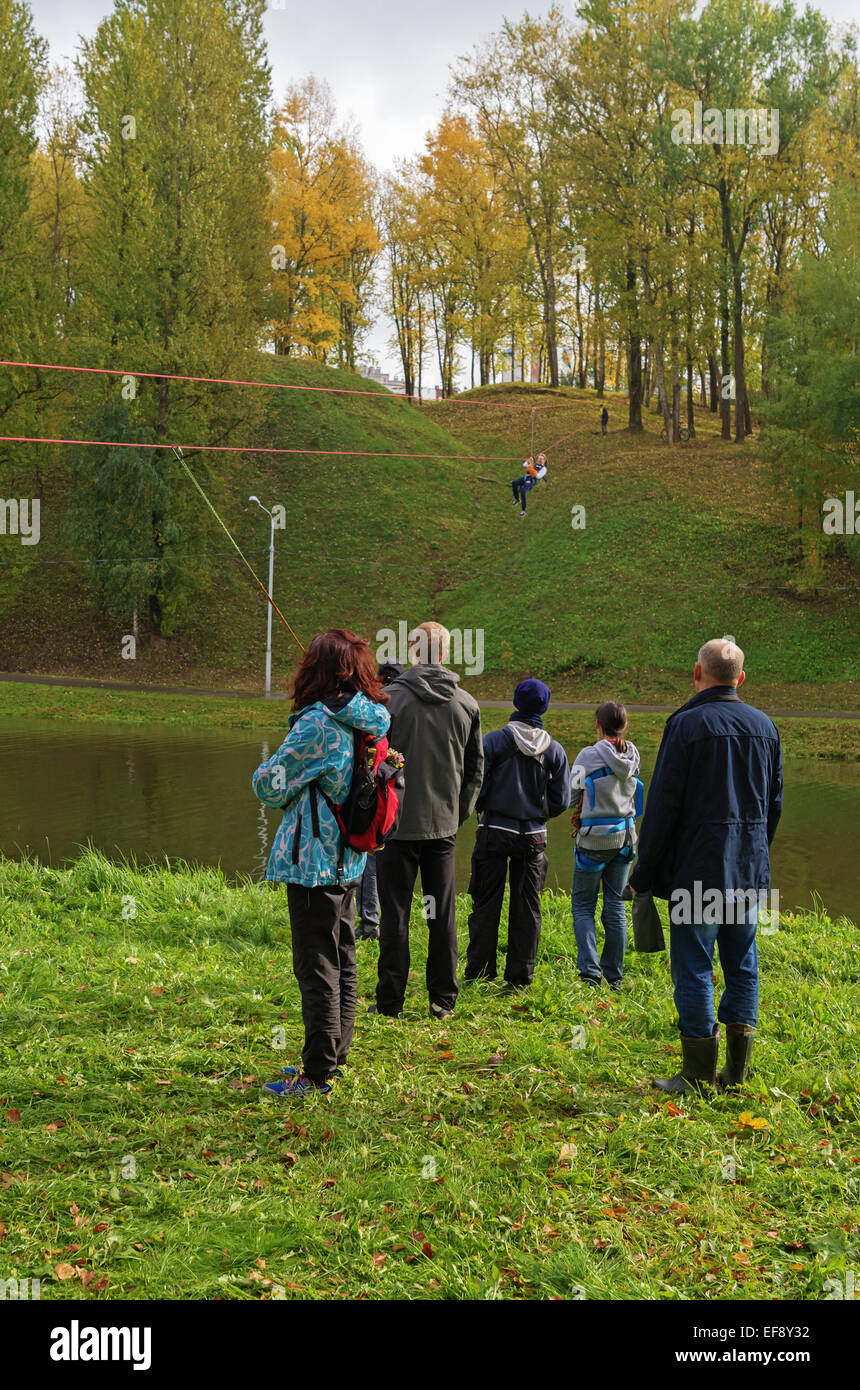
<point x="605" y="776"/>
<point x="534" y="471"/>
<point x="438" y="730"/>
<point x="366" y="897"/>
<point x="713" y="809"/>
<point x="335" y="691"/>
<point x="604" y="420"/>
<point x="526" y="781"/>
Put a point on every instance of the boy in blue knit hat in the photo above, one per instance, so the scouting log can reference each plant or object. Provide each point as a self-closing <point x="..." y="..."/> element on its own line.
<point x="526" y="781"/>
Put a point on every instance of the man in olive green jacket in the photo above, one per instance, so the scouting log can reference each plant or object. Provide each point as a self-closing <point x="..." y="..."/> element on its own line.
<point x="437" y="728"/>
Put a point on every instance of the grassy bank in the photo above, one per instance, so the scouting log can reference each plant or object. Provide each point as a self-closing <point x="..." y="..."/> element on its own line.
<point x="828" y="739"/>
<point x="514" y="1152"/>
<point x="678" y="545"/>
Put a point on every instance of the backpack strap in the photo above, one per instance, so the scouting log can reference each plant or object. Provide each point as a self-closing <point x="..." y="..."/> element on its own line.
<point x="334" y="807"/>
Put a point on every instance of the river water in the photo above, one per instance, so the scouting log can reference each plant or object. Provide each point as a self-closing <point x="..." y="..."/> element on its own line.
<point x="186" y="794"/>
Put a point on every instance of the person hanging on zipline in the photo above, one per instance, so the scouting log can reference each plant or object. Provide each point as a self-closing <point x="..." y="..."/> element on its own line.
<point x="534" y="472"/>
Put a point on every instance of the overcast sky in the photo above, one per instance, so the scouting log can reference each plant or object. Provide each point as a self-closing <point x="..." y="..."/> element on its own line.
<point x="387" y="61"/>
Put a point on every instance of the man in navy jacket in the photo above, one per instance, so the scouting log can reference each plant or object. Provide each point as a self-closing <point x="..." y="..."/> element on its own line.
<point x="712" y="811"/>
<point x="526" y="780"/>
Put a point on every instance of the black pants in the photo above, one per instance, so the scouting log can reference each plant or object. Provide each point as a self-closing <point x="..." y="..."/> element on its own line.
<point x="397" y="867"/>
<point x="322" y="925"/>
<point x="528" y="864"/>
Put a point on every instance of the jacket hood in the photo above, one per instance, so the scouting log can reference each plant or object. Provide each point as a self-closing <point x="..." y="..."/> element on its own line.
<point x="624" y="764"/>
<point x="433" y="684"/>
<point x="355" y="711"/>
<point x="529" y="740"/>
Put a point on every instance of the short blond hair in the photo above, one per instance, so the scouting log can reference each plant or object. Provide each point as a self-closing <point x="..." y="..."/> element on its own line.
<point x="430" y="643"/>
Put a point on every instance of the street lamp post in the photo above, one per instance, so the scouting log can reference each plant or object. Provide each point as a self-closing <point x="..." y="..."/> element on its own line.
<point x="271" y="584"/>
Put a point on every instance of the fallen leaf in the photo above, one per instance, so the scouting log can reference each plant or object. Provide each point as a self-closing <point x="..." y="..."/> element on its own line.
<point x="64" y="1271"/>
<point x="568" y="1153"/>
<point x="427" y="1249"/>
<point x="60" y="1124"/>
<point x="750" y="1121"/>
<point x="102" y="1226"/>
<point x="379" y="1260"/>
<point x="13" y="1116"/>
<point x="446" y="1056"/>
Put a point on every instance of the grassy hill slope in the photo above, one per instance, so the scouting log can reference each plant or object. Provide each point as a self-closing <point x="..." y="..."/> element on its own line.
<point x="678" y="545"/>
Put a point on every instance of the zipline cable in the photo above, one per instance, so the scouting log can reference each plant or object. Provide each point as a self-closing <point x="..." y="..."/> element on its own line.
<point x="261" y="449"/>
<point x="272" y="385"/>
<point x="178" y="453"/>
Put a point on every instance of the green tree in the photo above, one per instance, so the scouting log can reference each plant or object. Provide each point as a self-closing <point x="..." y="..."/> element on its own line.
<point x="812" y="420"/>
<point x="176" y="263"/>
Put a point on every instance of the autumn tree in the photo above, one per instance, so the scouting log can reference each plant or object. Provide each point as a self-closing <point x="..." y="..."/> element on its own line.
<point x="325" y="239"/>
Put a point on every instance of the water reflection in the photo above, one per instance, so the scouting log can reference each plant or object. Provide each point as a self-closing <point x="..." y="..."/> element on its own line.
<point x="187" y="794"/>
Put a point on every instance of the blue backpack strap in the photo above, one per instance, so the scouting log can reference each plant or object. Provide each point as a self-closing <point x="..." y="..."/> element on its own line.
<point x="591" y="778"/>
<point x="639" y="806"/>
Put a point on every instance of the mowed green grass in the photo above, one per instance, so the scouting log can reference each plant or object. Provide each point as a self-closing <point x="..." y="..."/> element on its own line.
<point x="516" y="1151"/>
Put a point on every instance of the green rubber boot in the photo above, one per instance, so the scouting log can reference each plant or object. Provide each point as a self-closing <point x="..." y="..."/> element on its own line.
<point x="739" y="1046"/>
<point x="698" y="1066"/>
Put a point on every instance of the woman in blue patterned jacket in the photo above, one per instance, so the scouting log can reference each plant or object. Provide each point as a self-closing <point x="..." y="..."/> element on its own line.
<point x="336" y="690"/>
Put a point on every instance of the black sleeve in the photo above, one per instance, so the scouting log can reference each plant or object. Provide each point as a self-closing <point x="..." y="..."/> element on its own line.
<point x="662" y="811"/>
<point x="774" y="810"/>
<point x="558" y="784"/>
<point x="473" y="769"/>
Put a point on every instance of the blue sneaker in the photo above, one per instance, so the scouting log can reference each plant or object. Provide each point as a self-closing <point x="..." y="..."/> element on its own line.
<point x="295" y="1086"/>
<point x="294" y="1071"/>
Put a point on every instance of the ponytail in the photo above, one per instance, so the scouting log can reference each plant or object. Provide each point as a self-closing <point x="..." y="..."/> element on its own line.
<point x="612" y="718"/>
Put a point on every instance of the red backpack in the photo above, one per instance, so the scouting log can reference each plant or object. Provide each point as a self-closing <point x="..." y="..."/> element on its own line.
<point x="369" y="815"/>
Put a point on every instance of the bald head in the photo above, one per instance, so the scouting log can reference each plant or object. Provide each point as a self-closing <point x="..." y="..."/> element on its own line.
<point x="720" y="662"/>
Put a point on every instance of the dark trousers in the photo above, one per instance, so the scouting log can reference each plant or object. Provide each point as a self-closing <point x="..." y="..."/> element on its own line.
<point x="397" y="868"/>
<point x="521" y="488"/>
<point x="366" y="897"/>
<point x="494" y="851"/>
<point x="322" y="926"/>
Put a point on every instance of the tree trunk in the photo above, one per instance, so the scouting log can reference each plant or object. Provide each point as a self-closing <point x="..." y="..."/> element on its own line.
<point x="725" y="400"/>
<point x="550" y="327"/>
<point x="668" y="425"/>
<point x="712" y="379"/>
<point x="634" y="357"/>
<point x="691" y="419"/>
<point x="740" y="366"/>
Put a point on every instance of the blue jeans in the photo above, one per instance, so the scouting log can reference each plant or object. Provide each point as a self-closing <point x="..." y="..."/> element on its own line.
<point x="612" y="872"/>
<point x="692" y="951"/>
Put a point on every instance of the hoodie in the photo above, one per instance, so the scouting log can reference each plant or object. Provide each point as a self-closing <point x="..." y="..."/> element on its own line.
<point x="526" y="777"/>
<point x="437" y="728"/>
<point x="319" y="748"/>
<point x="613" y="795"/>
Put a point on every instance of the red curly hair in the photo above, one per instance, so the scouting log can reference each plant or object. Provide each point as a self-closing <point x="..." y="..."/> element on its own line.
<point x="336" y="660"/>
